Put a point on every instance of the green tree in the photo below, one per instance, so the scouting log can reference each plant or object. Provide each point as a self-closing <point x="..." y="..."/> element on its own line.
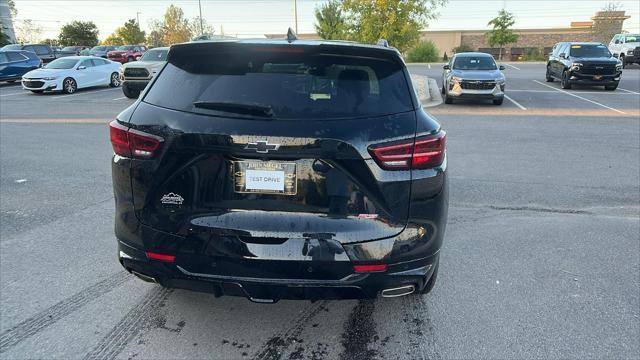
<point x="12" y="8"/>
<point x="28" y="32"/>
<point x="397" y="21"/>
<point x="130" y="32"/>
<point x="502" y="33"/>
<point x="175" y="27"/>
<point x="425" y="51"/>
<point x="156" y="36"/>
<point x="462" y="48"/>
<point x="194" y="27"/>
<point x="4" y="38"/>
<point x="79" y="33"/>
<point x="51" y="42"/>
<point x="330" y="21"/>
<point x="113" y="39"/>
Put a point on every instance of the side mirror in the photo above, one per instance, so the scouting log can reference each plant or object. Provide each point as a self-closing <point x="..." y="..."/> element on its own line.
<point x="81" y="67"/>
<point x="617" y="41"/>
<point x="501" y="67"/>
<point x="138" y="58"/>
<point x="563" y="56"/>
<point x="446" y="67"/>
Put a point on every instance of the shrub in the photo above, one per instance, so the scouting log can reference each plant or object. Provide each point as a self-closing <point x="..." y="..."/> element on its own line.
<point x="425" y="51"/>
<point x="462" y="48"/>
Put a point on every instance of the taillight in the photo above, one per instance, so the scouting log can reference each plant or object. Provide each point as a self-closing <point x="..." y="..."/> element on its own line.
<point x="133" y="143"/>
<point x="422" y="153"/>
<point x="161" y="257"/>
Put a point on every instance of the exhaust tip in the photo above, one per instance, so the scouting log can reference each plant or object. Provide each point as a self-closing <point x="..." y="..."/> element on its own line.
<point x="399" y="291"/>
<point x="144" y="277"/>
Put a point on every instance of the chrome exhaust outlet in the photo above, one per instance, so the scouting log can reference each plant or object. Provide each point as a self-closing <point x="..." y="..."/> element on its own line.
<point x="144" y="277"/>
<point x="399" y="291"/>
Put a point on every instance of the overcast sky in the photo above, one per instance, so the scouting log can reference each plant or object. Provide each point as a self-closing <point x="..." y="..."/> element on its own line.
<point x="251" y="18"/>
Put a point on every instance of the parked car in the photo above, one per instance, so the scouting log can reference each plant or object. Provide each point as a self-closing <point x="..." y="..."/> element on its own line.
<point x="71" y="51"/>
<point x="15" y="63"/>
<point x="584" y="63"/>
<point x="126" y="53"/>
<point x="43" y="51"/>
<point x="273" y="169"/>
<point x="101" y="50"/>
<point x="136" y="75"/>
<point x="473" y="75"/>
<point x="626" y="47"/>
<point x="71" y="73"/>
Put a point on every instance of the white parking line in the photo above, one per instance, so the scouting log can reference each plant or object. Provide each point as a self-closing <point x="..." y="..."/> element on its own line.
<point x="629" y="91"/>
<point x="120" y="98"/>
<point x="580" y="97"/>
<point x="429" y="65"/>
<point x="83" y="93"/>
<point x="575" y="92"/>
<point x="517" y="68"/>
<point x="18" y="93"/>
<point x="515" y="102"/>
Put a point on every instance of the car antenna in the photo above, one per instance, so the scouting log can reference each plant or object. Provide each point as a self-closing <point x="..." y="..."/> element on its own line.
<point x="291" y="35"/>
<point x="383" y="42"/>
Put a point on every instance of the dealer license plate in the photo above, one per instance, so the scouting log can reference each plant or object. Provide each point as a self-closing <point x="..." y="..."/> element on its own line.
<point x="265" y="177"/>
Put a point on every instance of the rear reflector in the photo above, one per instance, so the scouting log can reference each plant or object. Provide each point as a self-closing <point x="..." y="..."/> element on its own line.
<point x="161" y="257"/>
<point x="133" y="143"/>
<point x="422" y="153"/>
<point x="370" y="268"/>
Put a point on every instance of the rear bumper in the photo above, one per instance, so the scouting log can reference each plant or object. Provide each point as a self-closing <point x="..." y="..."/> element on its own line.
<point x="411" y="276"/>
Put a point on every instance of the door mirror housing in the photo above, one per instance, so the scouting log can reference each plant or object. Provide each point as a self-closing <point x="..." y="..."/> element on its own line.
<point x="501" y="67"/>
<point x="446" y="67"/>
<point x="617" y="41"/>
<point x="563" y="56"/>
<point x="81" y="67"/>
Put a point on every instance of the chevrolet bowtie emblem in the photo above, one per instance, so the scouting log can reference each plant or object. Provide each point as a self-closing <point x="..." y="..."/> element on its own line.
<point x="262" y="147"/>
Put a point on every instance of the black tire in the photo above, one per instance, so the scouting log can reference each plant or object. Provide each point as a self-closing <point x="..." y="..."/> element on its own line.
<point x="447" y="98"/>
<point x="565" y="83"/>
<point x="130" y="93"/>
<point x="498" y="101"/>
<point x="432" y="280"/>
<point x="548" y="77"/>
<point x="624" y="63"/>
<point x="37" y="91"/>
<point x="130" y="59"/>
<point x="442" y="89"/>
<point x="69" y="86"/>
<point x="611" y="87"/>
<point x="114" y="80"/>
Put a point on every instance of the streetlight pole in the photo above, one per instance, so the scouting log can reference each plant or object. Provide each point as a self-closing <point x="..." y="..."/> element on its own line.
<point x="138" y="17"/>
<point x="295" y="13"/>
<point x="201" y="27"/>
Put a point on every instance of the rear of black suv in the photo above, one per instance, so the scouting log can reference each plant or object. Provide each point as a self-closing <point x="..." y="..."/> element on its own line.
<point x="276" y="170"/>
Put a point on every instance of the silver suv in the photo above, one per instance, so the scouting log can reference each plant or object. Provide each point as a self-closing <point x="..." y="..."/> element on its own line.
<point x="473" y="75"/>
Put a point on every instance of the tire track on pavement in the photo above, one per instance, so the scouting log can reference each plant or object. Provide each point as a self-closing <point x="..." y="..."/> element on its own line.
<point x="417" y="321"/>
<point x="274" y="348"/>
<point x="130" y="325"/>
<point x="51" y="315"/>
<point x="359" y="332"/>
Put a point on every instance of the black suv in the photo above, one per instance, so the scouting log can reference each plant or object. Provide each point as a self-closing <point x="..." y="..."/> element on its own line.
<point x="583" y="63"/>
<point x="43" y="51"/>
<point x="275" y="169"/>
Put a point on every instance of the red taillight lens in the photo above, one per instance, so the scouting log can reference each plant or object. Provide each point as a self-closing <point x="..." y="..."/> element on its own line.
<point x="133" y="143"/>
<point x="370" y="268"/>
<point x="422" y="153"/>
<point x="161" y="257"/>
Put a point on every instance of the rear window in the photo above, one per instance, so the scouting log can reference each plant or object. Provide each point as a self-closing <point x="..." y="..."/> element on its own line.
<point x="293" y="85"/>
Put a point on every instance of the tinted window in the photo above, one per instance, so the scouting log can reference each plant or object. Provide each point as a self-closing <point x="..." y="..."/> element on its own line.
<point x="125" y="48"/>
<point x="15" y="57"/>
<point x="62" y="63"/>
<point x="99" y="48"/>
<point x="474" y="63"/>
<point x="589" y="51"/>
<point x="88" y="63"/>
<point x="292" y="85"/>
<point x="69" y="48"/>
<point x="42" y="50"/>
<point x="12" y="47"/>
<point x="155" y="55"/>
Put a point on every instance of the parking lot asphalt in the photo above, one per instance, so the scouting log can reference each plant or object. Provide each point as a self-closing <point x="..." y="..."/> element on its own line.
<point x="541" y="256"/>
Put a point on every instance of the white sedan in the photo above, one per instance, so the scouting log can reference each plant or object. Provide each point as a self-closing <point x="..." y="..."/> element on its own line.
<point x="71" y="73"/>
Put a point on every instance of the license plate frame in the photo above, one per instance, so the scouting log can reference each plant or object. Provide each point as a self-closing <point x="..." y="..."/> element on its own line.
<point x="289" y="177"/>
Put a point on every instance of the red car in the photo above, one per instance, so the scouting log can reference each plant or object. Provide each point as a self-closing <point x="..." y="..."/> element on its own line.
<point x="126" y="53"/>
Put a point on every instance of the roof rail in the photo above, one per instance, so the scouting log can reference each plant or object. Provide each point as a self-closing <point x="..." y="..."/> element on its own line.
<point x="291" y="35"/>
<point x="383" y="42"/>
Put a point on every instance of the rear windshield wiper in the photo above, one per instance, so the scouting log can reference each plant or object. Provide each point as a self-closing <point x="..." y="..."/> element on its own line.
<point x="238" y="108"/>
